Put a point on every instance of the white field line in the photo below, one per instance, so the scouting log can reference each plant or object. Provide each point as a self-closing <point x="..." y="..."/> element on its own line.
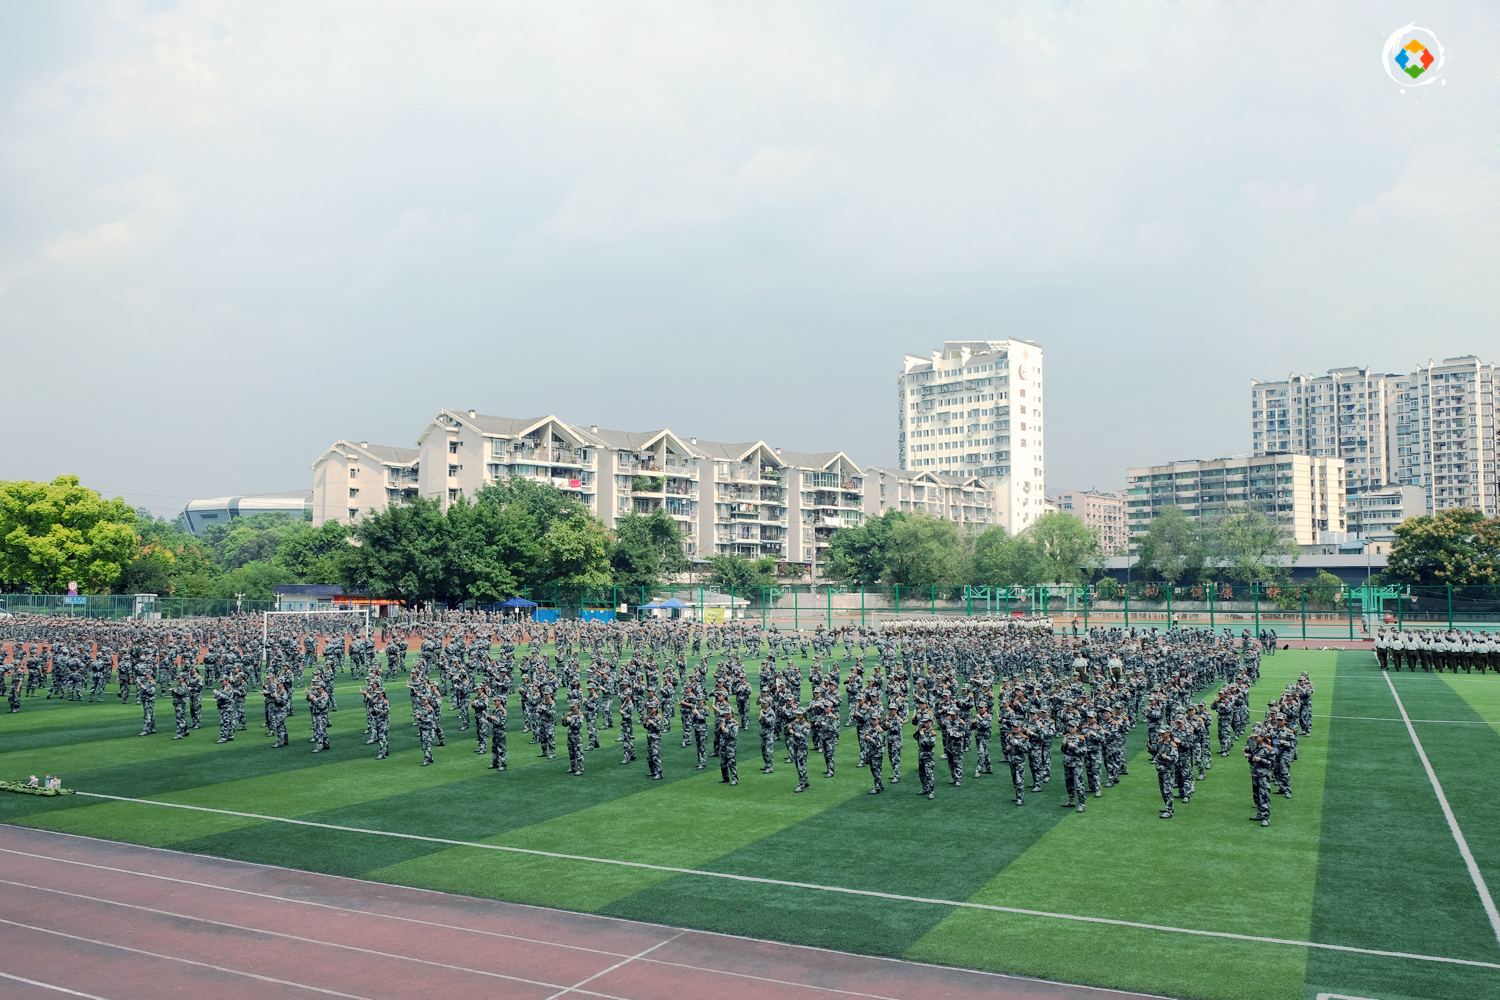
<point x="966" y="904"/>
<point x="1458" y="835"/>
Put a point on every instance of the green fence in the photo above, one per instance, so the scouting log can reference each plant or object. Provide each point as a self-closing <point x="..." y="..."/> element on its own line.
<point x="1304" y="612"/>
<point x="117" y="606"/>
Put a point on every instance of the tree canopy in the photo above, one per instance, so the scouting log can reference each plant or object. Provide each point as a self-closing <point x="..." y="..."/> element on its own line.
<point x="1174" y="547"/>
<point x="1457" y="546"/>
<point x="55" y="533"/>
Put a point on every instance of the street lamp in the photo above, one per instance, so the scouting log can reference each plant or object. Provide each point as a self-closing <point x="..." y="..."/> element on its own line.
<point x="237" y="600"/>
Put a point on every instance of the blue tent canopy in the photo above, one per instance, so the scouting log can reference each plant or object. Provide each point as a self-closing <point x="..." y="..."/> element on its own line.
<point x="517" y="602"/>
<point x="673" y="603"/>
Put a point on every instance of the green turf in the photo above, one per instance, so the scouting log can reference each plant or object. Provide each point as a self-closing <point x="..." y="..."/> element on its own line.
<point x="1360" y="856"/>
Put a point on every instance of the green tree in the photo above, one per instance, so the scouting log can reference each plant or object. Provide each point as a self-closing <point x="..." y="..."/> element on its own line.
<point x="1252" y="549"/>
<point x="1325" y="589"/>
<point x="1067" y="550"/>
<point x="315" y="555"/>
<point x="576" y="548"/>
<point x="252" y="538"/>
<point x="57" y="532"/>
<point x="857" y="554"/>
<point x="254" y="580"/>
<point x="1457" y="546"/>
<point x="922" y="551"/>
<point x="644" y="550"/>
<point x="1001" y="560"/>
<point x="544" y="502"/>
<point x="402" y="553"/>
<point x="496" y="549"/>
<point x="1174" y="548"/>
<point x="750" y="578"/>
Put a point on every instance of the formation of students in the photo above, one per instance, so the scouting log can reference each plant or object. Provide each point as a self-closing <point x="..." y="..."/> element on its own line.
<point x="952" y="689"/>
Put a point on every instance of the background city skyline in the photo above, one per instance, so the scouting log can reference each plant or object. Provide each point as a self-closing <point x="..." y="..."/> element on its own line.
<point x="230" y="235"/>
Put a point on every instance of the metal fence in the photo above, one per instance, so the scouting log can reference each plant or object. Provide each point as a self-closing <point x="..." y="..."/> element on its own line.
<point x="1305" y="611"/>
<point x="117" y="606"/>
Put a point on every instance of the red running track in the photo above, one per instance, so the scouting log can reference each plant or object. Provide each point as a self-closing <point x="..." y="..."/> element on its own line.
<point x="93" y="918"/>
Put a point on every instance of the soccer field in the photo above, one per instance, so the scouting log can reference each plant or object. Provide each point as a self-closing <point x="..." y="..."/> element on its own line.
<point x="1362" y="858"/>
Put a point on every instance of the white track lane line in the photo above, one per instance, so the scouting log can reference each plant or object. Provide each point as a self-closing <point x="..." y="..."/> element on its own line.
<point x="184" y="961"/>
<point x="50" y="986"/>
<point x="525" y="906"/>
<point x="1458" y="835"/>
<point x="1436" y="722"/>
<point x="294" y="937"/>
<point x="990" y="907"/>
<point x="575" y="988"/>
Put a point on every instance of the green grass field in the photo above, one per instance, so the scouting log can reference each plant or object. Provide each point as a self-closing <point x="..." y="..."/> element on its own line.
<point x="1360" y="857"/>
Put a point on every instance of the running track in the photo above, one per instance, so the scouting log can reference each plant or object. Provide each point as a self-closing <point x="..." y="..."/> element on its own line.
<point x="93" y="918"/>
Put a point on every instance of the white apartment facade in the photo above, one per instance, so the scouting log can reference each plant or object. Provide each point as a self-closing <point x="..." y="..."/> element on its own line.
<point x="1446" y="435"/>
<point x="747" y="499"/>
<point x="967" y="501"/>
<point x="1348" y="413"/>
<point x="1373" y="515"/>
<point x="1302" y="494"/>
<point x="1098" y="509"/>
<point x="974" y="408"/>
<point x="353" y="479"/>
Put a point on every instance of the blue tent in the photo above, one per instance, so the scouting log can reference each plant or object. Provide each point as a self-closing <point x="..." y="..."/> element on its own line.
<point x="673" y="603"/>
<point x="517" y="602"/>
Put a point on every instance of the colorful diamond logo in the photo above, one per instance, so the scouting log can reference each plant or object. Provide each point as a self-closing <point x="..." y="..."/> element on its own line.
<point x="1414" y="57"/>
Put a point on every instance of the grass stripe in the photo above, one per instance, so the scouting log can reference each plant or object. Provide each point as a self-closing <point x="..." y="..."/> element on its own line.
<point x="1125" y="863"/>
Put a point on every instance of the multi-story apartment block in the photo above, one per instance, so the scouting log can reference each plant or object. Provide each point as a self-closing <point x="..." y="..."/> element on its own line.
<point x="1347" y="413"/>
<point x="1432" y="428"/>
<point x="746" y="499"/>
<point x="974" y="408"/>
<point x="1373" y="515"/>
<point x="1446" y="435"/>
<point x="1302" y="494"/>
<point x="355" y="478"/>
<point x="968" y="501"/>
<point x="1098" y="509"/>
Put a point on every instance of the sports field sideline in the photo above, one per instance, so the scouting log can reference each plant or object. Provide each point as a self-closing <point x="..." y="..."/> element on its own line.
<point x="1359" y="887"/>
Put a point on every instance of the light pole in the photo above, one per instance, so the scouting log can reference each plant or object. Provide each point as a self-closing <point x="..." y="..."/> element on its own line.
<point x="237" y="601"/>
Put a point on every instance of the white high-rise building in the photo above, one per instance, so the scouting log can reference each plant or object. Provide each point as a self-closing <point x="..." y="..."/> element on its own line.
<point x="1433" y="428"/>
<point x="974" y="408"/>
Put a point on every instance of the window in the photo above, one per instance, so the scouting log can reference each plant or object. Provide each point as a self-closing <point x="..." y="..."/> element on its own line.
<point x="453" y="447"/>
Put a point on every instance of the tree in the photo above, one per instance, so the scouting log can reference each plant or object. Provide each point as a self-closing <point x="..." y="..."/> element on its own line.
<point x="1457" y="546"/>
<point x="1000" y="560"/>
<point x="1066" y="550"/>
<point x="923" y="551"/>
<point x="857" y="554"/>
<point x="252" y="538"/>
<point x="402" y="553"/>
<point x="1173" y="548"/>
<point x="315" y="555"/>
<point x="646" y="549"/>
<point x="543" y="501"/>
<point x="57" y="532"/>
<point x="577" y="550"/>
<point x="1251" y="548"/>
<point x="496" y="550"/>
<point x="749" y="578"/>
<point x="1325" y="589"/>
<point x="255" y="580"/>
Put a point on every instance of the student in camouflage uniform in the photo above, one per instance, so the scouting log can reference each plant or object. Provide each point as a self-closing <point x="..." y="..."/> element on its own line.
<point x="699" y="720"/>
<point x="179" y="707"/>
<point x="1075" y="748"/>
<point x="894" y="733"/>
<point x="380" y="723"/>
<point x="319" y="704"/>
<point x="954" y="731"/>
<point x="195" y="698"/>
<point x="1262" y="758"/>
<point x="728" y="731"/>
<point x="575" y="723"/>
<point x="872" y="747"/>
<point x="278" y="702"/>
<point x="926" y="737"/>
<point x="798" y="732"/>
<point x="545" y="716"/>
<point x="1165" y="755"/>
<point x="653" y="724"/>
<point x="1017" y="748"/>
<point x="224" y="701"/>
<point x="981" y="727"/>
<point x="497" y="717"/>
<point x="767" y="721"/>
<point x="147" y="689"/>
<point x="591" y="716"/>
<point x="425" y="713"/>
<point x="627" y="723"/>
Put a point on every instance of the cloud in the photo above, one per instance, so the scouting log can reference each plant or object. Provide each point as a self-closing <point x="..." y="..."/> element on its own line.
<point x="154" y="211"/>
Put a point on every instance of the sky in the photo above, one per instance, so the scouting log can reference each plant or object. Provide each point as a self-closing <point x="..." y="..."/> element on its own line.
<point x="233" y="233"/>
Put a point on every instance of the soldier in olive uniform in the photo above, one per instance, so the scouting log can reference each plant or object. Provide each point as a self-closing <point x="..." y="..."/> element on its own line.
<point x="575" y="723"/>
<point x="497" y="717"/>
<point x="654" y="725"/>
<point x="798" y="732"/>
<point x="926" y="737"/>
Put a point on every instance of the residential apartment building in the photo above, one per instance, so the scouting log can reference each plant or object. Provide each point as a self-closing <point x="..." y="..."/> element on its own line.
<point x="968" y="501"/>
<point x="974" y="408"/>
<point x="746" y="499"/>
<point x="1432" y="428"/>
<point x="355" y="478"/>
<point x="1372" y="516"/>
<point x="1348" y="413"/>
<point x="1446" y="436"/>
<point x="1302" y="494"/>
<point x="1098" y="509"/>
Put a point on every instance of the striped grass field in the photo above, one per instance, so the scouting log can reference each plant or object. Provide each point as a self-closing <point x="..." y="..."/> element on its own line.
<point x="1361" y="857"/>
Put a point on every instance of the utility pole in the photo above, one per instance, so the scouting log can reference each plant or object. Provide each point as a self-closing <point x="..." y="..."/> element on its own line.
<point x="238" y="598"/>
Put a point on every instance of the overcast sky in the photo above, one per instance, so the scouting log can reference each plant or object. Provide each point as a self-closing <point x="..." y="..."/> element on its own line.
<point x="233" y="233"/>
